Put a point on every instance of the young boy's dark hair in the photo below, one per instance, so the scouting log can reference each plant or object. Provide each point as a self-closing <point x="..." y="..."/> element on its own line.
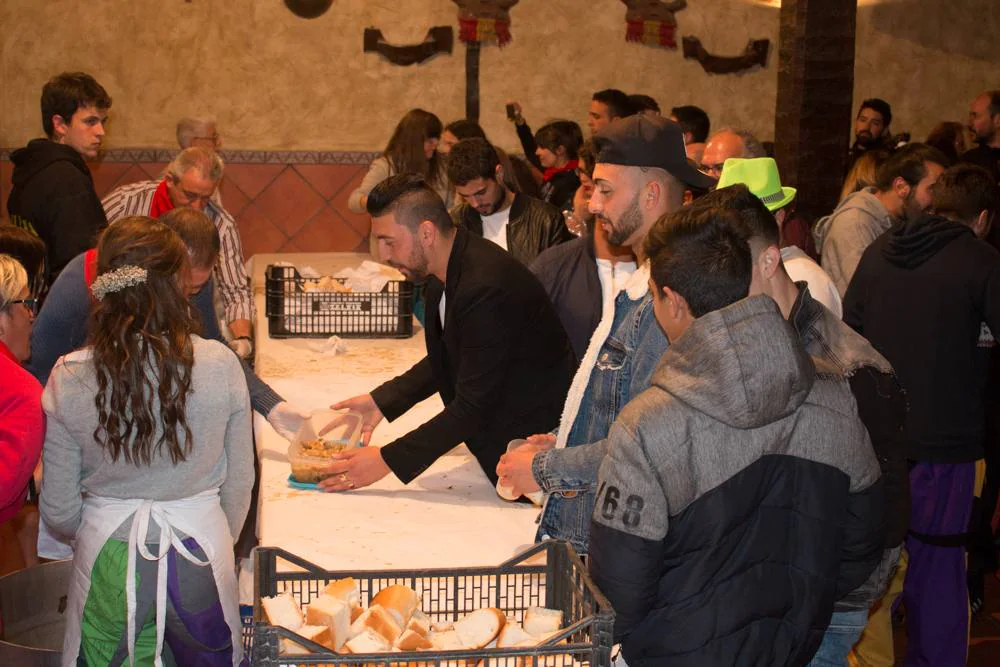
<point x="699" y="253"/>
<point x="64" y="93"/>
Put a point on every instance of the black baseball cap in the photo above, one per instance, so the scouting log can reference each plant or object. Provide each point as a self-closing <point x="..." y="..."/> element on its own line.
<point x="644" y="141"/>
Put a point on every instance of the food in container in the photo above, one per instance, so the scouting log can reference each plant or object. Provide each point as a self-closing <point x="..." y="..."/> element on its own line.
<point x="311" y="453"/>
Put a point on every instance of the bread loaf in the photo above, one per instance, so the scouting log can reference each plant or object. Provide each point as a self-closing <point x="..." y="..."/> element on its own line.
<point x="446" y="641"/>
<point x="442" y="626"/>
<point x="542" y="622"/>
<point x="400" y="601"/>
<point x="422" y="626"/>
<point x="345" y="590"/>
<point x="333" y="614"/>
<point x="368" y="641"/>
<point x="317" y="633"/>
<point x="552" y="660"/>
<point x="282" y="610"/>
<point x="512" y="634"/>
<point x="413" y="641"/>
<point x="479" y="628"/>
<point x="377" y="619"/>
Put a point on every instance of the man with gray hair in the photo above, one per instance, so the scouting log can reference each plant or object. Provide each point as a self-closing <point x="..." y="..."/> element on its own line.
<point x="190" y="179"/>
<point x="727" y="143"/>
<point x="200" y="131"/>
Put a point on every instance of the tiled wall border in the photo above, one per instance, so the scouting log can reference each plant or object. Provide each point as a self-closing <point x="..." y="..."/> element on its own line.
<point x="234" y="156"/>
<point x="283" y="201"/>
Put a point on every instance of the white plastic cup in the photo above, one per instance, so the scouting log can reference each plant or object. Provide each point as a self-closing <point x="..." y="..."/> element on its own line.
<point x="506" y="492"/>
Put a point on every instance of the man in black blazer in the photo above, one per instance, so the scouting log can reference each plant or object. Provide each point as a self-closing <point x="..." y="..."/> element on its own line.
<point x="496" y="351"/>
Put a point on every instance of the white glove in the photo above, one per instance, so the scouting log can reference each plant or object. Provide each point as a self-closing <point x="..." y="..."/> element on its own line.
<point x="286" y="419"/>
<point x="243" y="347"/>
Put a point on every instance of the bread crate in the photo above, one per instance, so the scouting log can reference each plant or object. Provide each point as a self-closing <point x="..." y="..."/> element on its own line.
<point x="293" y="312"/>
<point x="547" y="575"/>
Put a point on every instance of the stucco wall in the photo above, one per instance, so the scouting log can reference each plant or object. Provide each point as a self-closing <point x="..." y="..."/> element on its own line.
<point x="279" y="82"/>
<point x="928" y="58"/>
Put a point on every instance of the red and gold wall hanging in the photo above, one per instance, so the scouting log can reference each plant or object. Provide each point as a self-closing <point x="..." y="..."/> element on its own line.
<point x="484" y="21"/>
<point x="652" y="22"/>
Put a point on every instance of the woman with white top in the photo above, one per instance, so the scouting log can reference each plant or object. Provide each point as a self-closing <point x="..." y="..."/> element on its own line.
<point x="412" y="149"/>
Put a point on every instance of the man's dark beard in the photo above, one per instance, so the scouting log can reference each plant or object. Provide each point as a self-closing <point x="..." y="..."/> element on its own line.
<point x="501" y="197"/>
<point x="909" y="211"/>
<point x="417" y="269"/>
<point x="629" y="221"/>
<point x="982" y="141"/>
<point x="865" y="140"/>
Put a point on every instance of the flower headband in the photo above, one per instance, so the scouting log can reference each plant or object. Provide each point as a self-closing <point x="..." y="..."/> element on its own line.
<point x="117" y="280"/>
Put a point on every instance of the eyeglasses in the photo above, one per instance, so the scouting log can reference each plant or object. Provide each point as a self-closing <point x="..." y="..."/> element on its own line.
<point x="30" y="304"/>
<point x="193" y="197"/>
<point x="189" y="197"/>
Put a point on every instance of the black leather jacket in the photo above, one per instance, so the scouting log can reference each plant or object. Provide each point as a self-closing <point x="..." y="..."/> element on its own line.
<point x="533" y="226"/>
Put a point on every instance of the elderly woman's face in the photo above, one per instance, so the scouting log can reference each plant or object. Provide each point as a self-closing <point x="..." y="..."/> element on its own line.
<point x="15" y="326"/>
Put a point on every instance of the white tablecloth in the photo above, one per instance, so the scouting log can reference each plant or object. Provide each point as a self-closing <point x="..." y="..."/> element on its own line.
<point x="448" y="517"/>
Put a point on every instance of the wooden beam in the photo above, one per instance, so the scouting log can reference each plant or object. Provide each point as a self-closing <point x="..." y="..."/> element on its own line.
<point x="472" y="81"/>
<point x="814" y="114"/>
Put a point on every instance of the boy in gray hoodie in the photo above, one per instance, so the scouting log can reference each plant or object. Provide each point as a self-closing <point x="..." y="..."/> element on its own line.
<point x="740" y="496"/>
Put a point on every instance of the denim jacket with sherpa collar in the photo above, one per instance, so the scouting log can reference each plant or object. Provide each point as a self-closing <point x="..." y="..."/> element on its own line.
<point x="623" y="369"/>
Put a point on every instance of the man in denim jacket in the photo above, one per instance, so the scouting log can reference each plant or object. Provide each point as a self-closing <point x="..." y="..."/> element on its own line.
<point x="624" y="368"/>
<point x="641" y="174"/>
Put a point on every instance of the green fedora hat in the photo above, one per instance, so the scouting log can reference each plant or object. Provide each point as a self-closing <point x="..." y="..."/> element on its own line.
<point x="760" y="175"/>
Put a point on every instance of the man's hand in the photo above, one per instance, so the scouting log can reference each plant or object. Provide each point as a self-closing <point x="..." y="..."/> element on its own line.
<point x="243" y="347"/>
<point x="365" y="405"/>
<point x="286" y="419"/>
<point x="518" y="112"/>
<point x="240" y="328"/>
<point x="354" y="469"/>
<point x="542" y="441"/>
<point x="514" y="469"/>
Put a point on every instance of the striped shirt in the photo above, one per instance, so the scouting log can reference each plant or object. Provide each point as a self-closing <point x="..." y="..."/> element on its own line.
<point x="230" y="274"/>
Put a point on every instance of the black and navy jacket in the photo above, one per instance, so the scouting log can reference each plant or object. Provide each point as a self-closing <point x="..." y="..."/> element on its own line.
<point x="740" y="497"/>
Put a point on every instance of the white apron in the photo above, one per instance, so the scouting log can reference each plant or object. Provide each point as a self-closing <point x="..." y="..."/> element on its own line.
<point x="199" y="516"/>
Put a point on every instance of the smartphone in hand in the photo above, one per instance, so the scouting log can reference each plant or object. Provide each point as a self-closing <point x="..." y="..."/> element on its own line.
<point x="511" y="112"/>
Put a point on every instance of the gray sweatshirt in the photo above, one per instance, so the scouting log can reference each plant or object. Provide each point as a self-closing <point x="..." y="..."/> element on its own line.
<point x="218" y="414"/>
<point x="378" y="171"/>
<point x="843" y="236"/>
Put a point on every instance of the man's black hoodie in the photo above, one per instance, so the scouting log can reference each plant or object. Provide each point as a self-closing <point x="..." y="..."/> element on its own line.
<point x="53" y="196"/>
<point x="923" y="295"/>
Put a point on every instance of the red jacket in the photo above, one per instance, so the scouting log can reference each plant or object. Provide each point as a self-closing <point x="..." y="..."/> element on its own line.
<point x="22" y="431"/>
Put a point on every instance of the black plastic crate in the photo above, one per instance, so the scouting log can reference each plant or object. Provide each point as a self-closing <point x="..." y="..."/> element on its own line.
<point x="562" y="582"/>
<point x="293" y="312"/>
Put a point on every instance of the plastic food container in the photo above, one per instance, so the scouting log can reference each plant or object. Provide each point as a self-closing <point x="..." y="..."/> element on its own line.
<point x="310" y="453"/>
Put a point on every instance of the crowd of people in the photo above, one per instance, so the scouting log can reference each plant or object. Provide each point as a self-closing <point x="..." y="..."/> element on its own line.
<point x="766" y="436"/>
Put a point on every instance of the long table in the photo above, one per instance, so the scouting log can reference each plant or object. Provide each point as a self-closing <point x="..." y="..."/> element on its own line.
<point x="450" y="516"/>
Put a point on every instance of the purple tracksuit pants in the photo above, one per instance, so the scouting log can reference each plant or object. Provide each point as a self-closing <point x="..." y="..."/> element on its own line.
<point x="935" y="593"/>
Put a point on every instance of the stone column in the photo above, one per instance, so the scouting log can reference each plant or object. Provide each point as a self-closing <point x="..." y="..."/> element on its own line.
<point x="814" y="113"/>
